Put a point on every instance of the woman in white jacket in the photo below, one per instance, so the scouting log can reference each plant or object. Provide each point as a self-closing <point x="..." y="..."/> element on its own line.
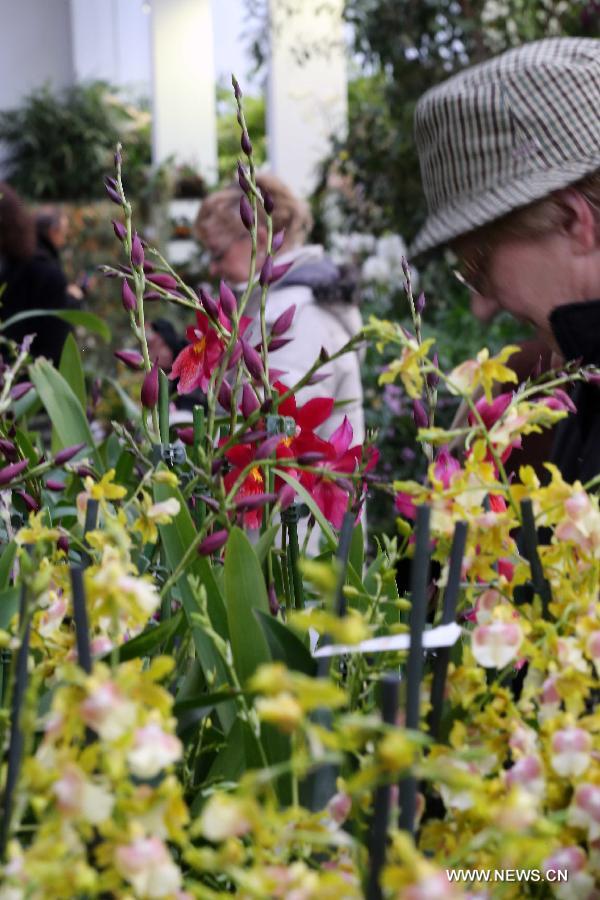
<point x="313" y="284"/>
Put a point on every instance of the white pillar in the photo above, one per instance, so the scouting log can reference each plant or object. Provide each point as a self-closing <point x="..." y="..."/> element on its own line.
<point x="184" y="102"/>
<point x="111" y="41"/>
<point x="307" y="97"/>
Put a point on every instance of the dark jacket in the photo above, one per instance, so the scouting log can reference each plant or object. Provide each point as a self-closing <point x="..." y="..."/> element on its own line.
<point x="576" y="450"/>
<point x="36" y="283"/>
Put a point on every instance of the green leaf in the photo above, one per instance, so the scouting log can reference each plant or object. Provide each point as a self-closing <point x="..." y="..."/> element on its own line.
<point x="207" y="701"/>
<point x="72" y="370"/>
<point x="245" y="591"/>
<point x="176" y="537"/>
<point x="306" y="498"/>
<point x="265" y="542"/>
<point x="9" y="604"/>
<point x="285" y="645"/>
<point x="146" y="642"/>
<point x="63" y="407"/>
<point x="131" y="409"/>
<point x="26" y="447"/>
<point x="357" y="549"/>
<point x="6" y="562"/>
<point x="88" y="320"/>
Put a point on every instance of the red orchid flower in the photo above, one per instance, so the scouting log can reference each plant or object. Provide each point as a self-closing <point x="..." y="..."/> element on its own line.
<point x="241" y="456"/>
<point x="196" y="362"/>
<point x="330" y="495"/>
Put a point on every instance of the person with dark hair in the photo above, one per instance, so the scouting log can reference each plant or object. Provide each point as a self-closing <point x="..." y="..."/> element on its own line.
<point x="510" y="163"/>
<point x="32" y="279"/>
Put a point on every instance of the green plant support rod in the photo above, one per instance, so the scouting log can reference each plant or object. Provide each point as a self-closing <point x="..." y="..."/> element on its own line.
<point x="163" y="407"/>
<point x="290" y="517"/>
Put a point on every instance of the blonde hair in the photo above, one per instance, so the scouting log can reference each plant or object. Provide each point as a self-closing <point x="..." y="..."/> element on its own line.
<point x="538" y="218"/>
<point x="220" y="212"/>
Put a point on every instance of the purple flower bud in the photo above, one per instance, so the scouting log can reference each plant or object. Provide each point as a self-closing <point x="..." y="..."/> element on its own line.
<point x="246" y="213"/>
<point x="267" y="448"/>
<point x="118" y="157"/>
<point x="266" y="273"/>
<point x="279" y="343"/>
<point x="31" y="504"/>
<point x="592" y="377"/>
<point x="225" y="395"/>
<point x="286" y="496"/>
<point x="252" y="359"/>
<point x="13" y="471"/>
<point x="242" y="179"/>
<point x="405" y="267"/>
<point x="227" y="298"/>
<point x="163" y="280"/>
<point x="421" y="419"/>
<point x="186" y="435"/>
<point x="63" y="543"/>
<point x="210" y="306"/>
<point x="420" y="303"/>
<point x="246" y="144"/>
<point x="110" y="186"/>
<point x="19" y="390"/>
<point x="84" y="472"/>
<point x="564" y="399"/>
<point x="283" y="322"/>
<point x="209" y="501"/>
<point x="268" y="202"/>
<point x="8" y="448"/>
<point x="67" y="454"/>
<point x="433" y="378"/>
<point x="237" y="91"/>
<point x="235" y="356"/>
<point x="149" y="394"/>
<point x="280" y="271"/>
<point x="128" y="298"/>
<point x="119" y="229"/>
<point x="266" y="406"/>
<point x="213" y="543"/>
<point x="152" y="295"/>
<point x="53" y="485"/>
<point x="318" y="377"/>
<point x="278" y="239"/>
<point x="217" y="465"/>
<point x="131" y="358"/>
<point x="253" y="436"/>
<point x="147" y="266"/>
<point x="249" y="401"/>
<point x="254" y="501"/>
<point x="311" y="457"/>
<point x="137" y="252"/>
<point x="273" y="602"/>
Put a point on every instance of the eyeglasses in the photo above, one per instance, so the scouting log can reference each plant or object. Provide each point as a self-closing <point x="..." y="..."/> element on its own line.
<point x="471" y="267"/>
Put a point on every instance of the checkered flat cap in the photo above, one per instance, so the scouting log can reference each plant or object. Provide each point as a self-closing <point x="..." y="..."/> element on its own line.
<point x="507" y="132"/>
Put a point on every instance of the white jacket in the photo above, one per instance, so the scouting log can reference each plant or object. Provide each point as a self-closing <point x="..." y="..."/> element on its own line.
<point x="315" y="326"/>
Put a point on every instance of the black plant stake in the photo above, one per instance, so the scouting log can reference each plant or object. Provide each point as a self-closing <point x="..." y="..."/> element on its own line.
<point x="382" y="802"/>
<point x="80" y="616"/>
<point x="289" y="518"/>
<point x="440" y="666"/>
<point x="91" y="520"/>
<point x="530" y="548"/>
<point x="15" y="747"/>
<point x="419" y="579"/>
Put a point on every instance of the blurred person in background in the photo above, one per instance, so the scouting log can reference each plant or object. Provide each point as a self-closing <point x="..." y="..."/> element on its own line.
<point x="52" y="229"/>
<point x="326" y="316"/>
<point x="31" y="280"/>
<point x="510" y="164"/>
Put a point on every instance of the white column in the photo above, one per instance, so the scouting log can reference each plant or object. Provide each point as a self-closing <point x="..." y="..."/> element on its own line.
<point x="111" y="41"/>
<point x="307" y="97"/>
<point x="184" y="102"/>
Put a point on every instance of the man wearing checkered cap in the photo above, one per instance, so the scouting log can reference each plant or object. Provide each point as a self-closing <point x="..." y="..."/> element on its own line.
<point x="510" y="163"/>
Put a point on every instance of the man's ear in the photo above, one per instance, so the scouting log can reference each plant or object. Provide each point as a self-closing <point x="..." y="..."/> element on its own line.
<point x="581" y="223"/>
